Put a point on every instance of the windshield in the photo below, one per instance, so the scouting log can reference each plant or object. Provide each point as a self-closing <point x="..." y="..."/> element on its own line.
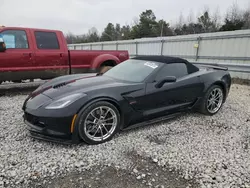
<point x="133" y="70"/>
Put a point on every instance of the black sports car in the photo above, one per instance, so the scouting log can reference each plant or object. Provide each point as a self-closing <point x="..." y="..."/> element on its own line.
<point x="139" y="91"/>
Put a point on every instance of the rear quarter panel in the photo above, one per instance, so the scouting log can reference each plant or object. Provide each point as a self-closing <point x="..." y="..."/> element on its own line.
<point x="82" y="60"/>
<point x="220" y="77"/>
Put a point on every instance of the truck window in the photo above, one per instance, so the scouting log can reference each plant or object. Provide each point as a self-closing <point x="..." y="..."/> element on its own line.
<point x="46" y="40"/>
<point x="15" y="39"/>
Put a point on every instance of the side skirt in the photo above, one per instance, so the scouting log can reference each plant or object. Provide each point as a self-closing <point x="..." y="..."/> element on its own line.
<point x="155" y="120"/>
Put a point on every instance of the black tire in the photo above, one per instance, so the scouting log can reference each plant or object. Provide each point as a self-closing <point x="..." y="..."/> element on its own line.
<point x="85" y="113"/>
<point x="204" y="104"/>
<point x="104" y="69"/>
<point x="17" y="81"/>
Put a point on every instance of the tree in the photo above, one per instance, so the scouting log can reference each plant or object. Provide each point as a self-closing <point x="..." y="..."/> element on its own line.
<point x="178" y="27"/>
<point x="234" y="19"/>
<point x="93" y="35"/>
<point x="207" y="24"/>
<point x="190" y="18"/>
<point x="70" y="38"/>
<point x="163" y="29"/>
<point x="109" y="33"/>
<point x="232" y="25"/>
<point x="246" y="19"/>
<point x="118" y="34"/>
<point x="126" y="32"/>
<point x="190" y="27"/>
<point x="216" y="19"/>
<point x="147" y="25"/>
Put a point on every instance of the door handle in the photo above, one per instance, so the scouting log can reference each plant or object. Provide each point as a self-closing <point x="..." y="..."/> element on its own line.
<point x="61" y="55"/>
<point x="27" y="54"/>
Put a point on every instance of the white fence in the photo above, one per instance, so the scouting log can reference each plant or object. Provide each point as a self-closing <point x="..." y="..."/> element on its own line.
<point x="223" y="48"/>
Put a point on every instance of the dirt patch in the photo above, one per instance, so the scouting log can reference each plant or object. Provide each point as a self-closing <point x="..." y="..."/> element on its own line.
<point x="143" y="173"/>
<point x="240" y="81"/>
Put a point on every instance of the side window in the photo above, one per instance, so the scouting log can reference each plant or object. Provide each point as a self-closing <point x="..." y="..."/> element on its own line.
<point x="173" y="69"/>
<point x="46" y="40"/>
<point x="15" y="39"/>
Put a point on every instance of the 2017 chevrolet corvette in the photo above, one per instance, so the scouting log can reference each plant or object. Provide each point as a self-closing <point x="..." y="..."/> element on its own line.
<point x="139" y="91"/>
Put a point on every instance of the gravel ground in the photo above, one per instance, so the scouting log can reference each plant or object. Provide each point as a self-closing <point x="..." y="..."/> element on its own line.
<point x="208" y="151"/>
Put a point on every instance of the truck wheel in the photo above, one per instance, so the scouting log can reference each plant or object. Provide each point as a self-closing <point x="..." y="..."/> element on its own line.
<point x="103" y="69"/>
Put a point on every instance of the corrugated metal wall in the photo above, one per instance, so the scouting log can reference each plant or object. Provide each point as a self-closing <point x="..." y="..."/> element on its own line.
<point x="221" y="48"/>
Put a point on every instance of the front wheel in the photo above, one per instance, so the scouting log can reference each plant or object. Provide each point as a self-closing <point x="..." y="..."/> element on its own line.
<point x="99" y="122"/>
<point x="212" y="101"/>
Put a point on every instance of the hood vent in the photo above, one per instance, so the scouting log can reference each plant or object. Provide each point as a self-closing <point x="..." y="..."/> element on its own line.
<point x="59" y="85"/>
<point x="63" y="84"/>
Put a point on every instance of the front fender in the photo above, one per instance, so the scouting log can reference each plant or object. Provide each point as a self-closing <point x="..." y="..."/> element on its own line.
<point x="102" y="58"/>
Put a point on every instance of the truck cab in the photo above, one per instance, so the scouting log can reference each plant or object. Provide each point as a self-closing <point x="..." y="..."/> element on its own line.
<point x="43" y="54"/>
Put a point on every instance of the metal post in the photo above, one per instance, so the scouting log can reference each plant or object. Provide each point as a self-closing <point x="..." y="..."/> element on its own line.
<point x="197" y="49"/>
<point x="102" y="46"/>
<point x="90" y="46"/>
<point x="162" y="28"/>
<point x="162" y="46"/>
<point x="117" y="46"/>
<point x="136" y="48"/>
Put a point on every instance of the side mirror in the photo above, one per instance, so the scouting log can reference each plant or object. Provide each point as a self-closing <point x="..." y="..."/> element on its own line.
<point x="167" y="79"/>
<point x="2" y="44"/>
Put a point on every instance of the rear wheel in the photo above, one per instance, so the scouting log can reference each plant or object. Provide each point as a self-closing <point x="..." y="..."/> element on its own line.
<point x="17" y="81"/>
<point x="99" y="123"/>
<point x="103" y="69"/>
<point x="212" y="101"/>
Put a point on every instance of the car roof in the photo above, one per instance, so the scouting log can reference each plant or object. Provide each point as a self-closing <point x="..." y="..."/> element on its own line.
<point x="160" y="58"/>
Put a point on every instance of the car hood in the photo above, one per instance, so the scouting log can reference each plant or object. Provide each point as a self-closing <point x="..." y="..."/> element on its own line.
<point x="75" y="83"/>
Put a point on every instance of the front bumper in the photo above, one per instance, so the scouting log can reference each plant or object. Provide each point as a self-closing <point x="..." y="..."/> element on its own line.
<point x="50" y="129"/>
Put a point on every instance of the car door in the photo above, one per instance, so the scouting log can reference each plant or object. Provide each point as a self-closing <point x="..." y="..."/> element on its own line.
<point x="172" y="96"/>
<point x="18" y="59"/>
<point x="50" y="55"/>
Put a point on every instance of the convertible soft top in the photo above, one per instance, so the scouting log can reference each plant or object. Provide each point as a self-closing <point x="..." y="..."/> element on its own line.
<point x="159" y="58"/>
<point x="168" y="59"/>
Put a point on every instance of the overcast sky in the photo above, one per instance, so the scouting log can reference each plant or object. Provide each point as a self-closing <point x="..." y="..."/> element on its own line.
<point x="78" y="16"/>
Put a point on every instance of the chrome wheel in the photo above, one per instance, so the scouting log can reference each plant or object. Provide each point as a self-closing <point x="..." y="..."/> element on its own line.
<point x="100" y="123"/>
<point x="215" y="100"/>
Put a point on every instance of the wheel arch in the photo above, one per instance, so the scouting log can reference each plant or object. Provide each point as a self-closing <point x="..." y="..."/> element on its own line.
<point x="75" y="134"/>
<point x="223" y="86"/>
<point x="97" y="99"/>
<point x="109" y="62"/>
<point x="104" y="58"/>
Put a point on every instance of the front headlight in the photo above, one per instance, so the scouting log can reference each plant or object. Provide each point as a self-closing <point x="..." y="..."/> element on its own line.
<point x="65" y="101"/>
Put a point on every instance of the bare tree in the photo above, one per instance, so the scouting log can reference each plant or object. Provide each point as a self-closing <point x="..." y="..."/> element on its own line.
<point x="234" y="13"/>
<point x="181" y="21"/>
<point x="190" y="18"/>
<point x="135" y="21"/>
<point x="179" y="24"/>
<point x="216" y="18"/>
<point x="246" y="18"/>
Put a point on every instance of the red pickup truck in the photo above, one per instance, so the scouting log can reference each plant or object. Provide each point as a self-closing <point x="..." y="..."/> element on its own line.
<point x="27" y="53"/>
